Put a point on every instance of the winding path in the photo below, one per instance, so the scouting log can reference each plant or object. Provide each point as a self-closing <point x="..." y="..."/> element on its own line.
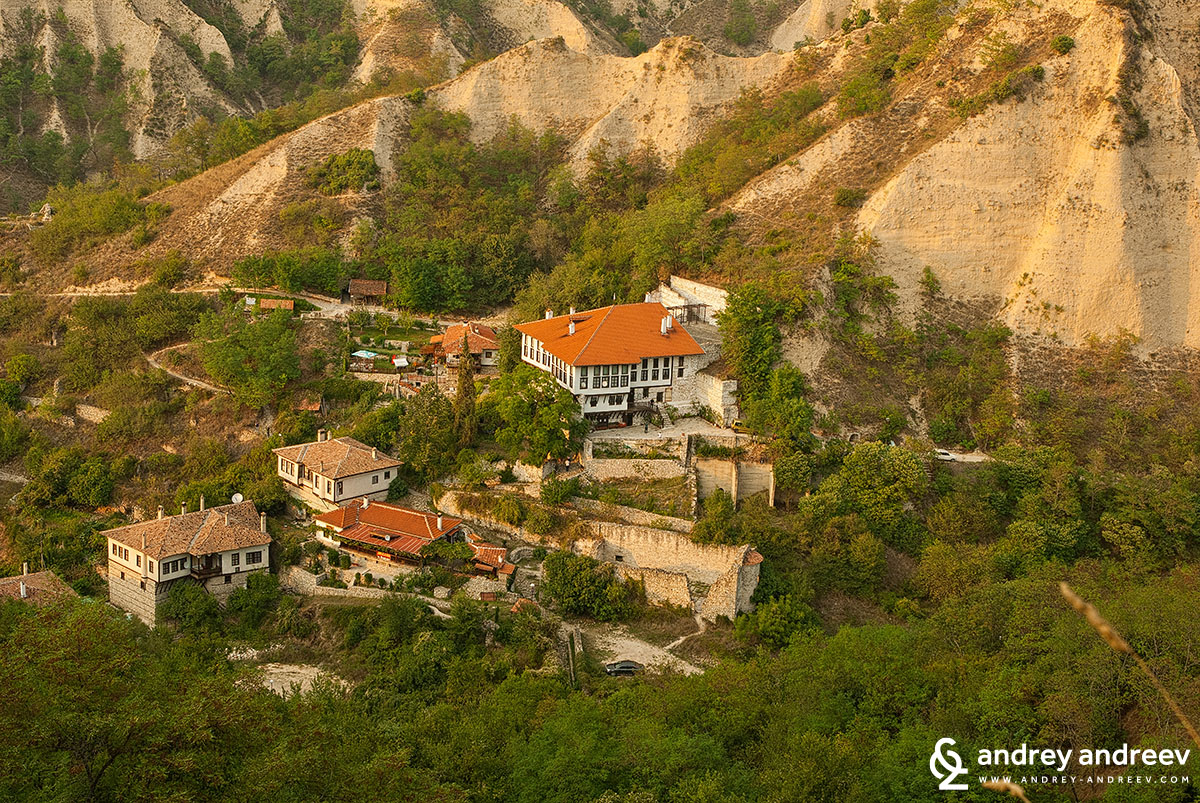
<point x="196" y="383"/>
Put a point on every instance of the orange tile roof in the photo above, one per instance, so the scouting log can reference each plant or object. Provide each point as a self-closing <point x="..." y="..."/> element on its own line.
<point x="276" y="303"/>
<point x="623" y="333"/>
<point x="388" y="518"/>
<point x="201" y="532"/>
<point x="479" y="338"/>
<point x="337" y="458"/>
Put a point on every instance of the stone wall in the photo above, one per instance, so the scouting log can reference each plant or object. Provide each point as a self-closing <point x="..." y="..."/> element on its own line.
<point x="632" y="515"/>
<point x="632" y="468"/>
<point x="643" y="547"/>
<point x="666" y="553"/>
<point x="740" y="480"/>
<point x="221" y="589"/>
<point x="695" y="292"/>
<point x="662" y="587"/>
<point x="127" y="594"/>
<point x="299" y="581"/>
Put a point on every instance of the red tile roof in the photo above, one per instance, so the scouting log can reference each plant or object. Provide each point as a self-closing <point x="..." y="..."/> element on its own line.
<point x="276" y="303"/>
<point x="623" y="333"/>
<point x="392" y="519"/>
<point x="752" y="558"/>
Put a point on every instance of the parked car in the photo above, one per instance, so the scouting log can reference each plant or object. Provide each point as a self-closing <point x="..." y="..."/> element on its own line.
<point x="739" y="426"/>
<point x="625" y="668"/>
<point x="942" y="454"/>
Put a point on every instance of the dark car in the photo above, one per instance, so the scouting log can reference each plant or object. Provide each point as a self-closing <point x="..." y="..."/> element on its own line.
<point x="624" y="668"/>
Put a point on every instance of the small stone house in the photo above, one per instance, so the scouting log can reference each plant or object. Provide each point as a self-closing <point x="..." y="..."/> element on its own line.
<point x="217" y="548"/>
<point x="367" y="291"/>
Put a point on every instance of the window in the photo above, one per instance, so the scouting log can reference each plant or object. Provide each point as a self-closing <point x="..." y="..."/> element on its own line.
<point x="654" y="375"/>
<point x="487" y="354"/>
<point x="645" y="361"/>
<point x="143" y="585"/>
<point x="592" y="401"/>
<point x="150" y="565"/>
<point x="122" y="575"/>
<point x="620" y="558"/>
<point x="114" y="548"/>
<point x="235" y="559"/>
<point x="656" y="362"/>
<point x="387" y="475"/>
<point x="339" y="491"/>
<point x="374" y="479"/>
<point x="645" y="393"/>
<point x="254" y="557"/>
<point x="681" y="372"/>
<point x="645" y="373"/>
<point x="328" y="486"/>
<point x="583" y="382"/>
<point x="228" y="579"/>
<point x="139" y="561"/>
<point x="658" y="396"/>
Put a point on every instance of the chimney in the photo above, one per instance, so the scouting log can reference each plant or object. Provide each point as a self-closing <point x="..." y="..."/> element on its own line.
<point x="262" y="522"/>
<point x="366" y="502"/>
<point x="183" y="509"/>
<point x="662" y="327"/>
<point x="24" y="591"/>
<point x="670" y="322"/>
<point x="226" y="518"/>
<point x="549" y="313"/>
<point x="25" y="568"/>
<point x="322" y="435"/>
<point x="439" y="522"/>
<point x="201" y="503"/>
<point x="571" y="327"/>
<point x="374" y="453"/>
<point x="160" y="511"/>
<point x="572" y="310"/>
<point x="387" y="537"/>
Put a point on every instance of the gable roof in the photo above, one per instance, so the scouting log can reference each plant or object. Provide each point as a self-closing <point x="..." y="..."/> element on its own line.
<point x="622" y="333"/>
<point x="202" y="532"/>
<point x="386" y="517"/>
<point x="41" y="588"/>
<point x="338" y="457"/>
<point x="479" y="337"/>
<point x="368" y="287"/>
<point x="386" y="526"/>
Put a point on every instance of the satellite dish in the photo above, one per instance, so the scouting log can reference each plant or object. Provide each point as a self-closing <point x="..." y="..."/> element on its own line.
<point x="237" y="498"/>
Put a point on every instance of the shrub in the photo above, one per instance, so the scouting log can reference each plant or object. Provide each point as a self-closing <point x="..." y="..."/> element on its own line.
<point x="558" y="492"/>
<point x="849" y="197"/>
<point x="508" y="509"/>
<point x="1062" y="44"/>
<point x="742" y="25"/>
<point x="344" y="561"/>
<point x="539" y="521"/>
<point x="352" y="171"/>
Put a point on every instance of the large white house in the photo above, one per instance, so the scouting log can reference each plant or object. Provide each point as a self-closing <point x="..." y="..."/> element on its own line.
<point x="327" y="472"/>
<point x="618" y="360"/>
<point x="217" y="548"/>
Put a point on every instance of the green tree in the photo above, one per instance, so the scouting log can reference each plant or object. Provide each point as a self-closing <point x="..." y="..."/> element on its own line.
<point x="256" y="359"/>
<point x="464" y="400"/>
<point x="538" y="418"/>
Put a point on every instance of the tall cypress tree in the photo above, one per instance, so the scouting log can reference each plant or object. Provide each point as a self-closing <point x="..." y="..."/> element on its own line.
<point x="464" y="400"/>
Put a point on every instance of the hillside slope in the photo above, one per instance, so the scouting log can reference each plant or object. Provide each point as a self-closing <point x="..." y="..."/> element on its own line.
<point x="665" y="96"/>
